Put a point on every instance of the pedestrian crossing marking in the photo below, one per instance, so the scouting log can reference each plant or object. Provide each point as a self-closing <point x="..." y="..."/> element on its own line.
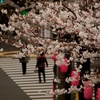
<point x="29" y="83"/>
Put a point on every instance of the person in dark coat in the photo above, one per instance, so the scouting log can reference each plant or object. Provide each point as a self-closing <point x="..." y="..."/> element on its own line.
<point x="41" y="61"/>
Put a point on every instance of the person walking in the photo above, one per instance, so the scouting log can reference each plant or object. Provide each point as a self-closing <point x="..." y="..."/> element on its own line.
<point x="41" y="61"/>
<point x="24" y="59"/>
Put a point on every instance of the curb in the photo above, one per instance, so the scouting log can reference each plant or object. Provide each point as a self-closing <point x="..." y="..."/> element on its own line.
<point x="11" y="54"/>
<point x="8" y="54"/>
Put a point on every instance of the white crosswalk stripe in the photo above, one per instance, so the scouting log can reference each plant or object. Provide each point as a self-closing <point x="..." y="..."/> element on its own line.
<point x="29" y="82"/>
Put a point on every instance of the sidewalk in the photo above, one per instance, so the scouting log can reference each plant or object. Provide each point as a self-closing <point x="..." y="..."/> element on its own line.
<point x="9" y="90"/>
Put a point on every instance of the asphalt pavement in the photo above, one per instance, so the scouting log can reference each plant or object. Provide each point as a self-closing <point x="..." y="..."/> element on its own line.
<point x="8" y="47"/>
<point x="9" y="90"/>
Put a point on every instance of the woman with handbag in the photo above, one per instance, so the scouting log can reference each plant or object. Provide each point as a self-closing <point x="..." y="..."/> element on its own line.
<point x="24" y="59"/>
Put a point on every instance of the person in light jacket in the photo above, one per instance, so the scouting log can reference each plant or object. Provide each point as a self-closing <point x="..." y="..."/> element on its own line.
<point x="24" y="59"/>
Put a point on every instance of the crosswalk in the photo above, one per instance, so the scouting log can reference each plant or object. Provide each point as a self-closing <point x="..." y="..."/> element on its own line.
<point x="29" y="82"/>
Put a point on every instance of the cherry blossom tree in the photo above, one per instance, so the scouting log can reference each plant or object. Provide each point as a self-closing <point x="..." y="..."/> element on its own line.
<point x="80" y="21"/>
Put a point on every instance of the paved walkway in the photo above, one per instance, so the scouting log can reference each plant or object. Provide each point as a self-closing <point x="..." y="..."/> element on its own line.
<point x="9" y="90"/>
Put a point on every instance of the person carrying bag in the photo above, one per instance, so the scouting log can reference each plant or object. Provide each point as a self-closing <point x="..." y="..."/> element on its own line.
<point x="41" y="62"/>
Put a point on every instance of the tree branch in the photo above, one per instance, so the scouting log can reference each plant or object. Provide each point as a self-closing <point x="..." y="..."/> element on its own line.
<point x="70" y="10"/>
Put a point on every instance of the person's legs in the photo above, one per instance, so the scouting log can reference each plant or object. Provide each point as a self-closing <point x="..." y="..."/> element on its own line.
<point x="24" y="67"/>
<point x="39" y="75"/>
<point x="43" y="72"/>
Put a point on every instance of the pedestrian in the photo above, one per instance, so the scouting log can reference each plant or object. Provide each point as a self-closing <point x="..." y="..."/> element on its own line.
<point x="24" y="59"/>
<point x="41" y="61"/>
